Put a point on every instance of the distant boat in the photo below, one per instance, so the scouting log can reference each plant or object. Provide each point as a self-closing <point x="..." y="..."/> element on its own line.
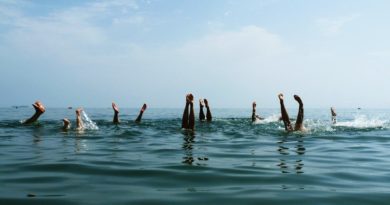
<point x="70" y="108"/>
<point x="19" y="106"/>
<point x="359" y="108"/>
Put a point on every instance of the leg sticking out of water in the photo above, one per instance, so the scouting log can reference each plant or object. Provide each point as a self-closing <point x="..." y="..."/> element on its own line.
<point x="208" y="113"/>
<point x="333" y="112"/>
<point x="299" y="122"/>
<point x="285" y="117"/>
<point x="39" y="110"/>
<point x="191" y="120"/>
<point x="188" y="120"/>
<point x="254" y="116"/>
<point x="116" y="113"/>
<point x="202" y="117"/>
<point x="79" y="120"/>
<point x="141" y="112"/>
<point x="184" y="119"/>
<point x="66" y="122"/>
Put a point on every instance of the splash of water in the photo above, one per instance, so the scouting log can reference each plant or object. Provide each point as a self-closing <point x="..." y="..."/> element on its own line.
<point x="318" y="126"/>
<point x="88" y="123"/>
<point x="361" y="121"/>
<point x="269" y="119"/>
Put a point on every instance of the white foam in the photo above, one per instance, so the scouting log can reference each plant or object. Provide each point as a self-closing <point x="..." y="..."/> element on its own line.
<point x="362" y="121"/>
<point x="88" y="123"/>
<point x="317" y="126"/>
<point x="269" y="119"/>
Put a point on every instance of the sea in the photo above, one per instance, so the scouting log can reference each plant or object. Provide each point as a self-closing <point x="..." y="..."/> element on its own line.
<point x="227" y="161"/>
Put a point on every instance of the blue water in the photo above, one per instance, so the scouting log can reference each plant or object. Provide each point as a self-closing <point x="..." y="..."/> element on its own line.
<point x="228" y="161"/>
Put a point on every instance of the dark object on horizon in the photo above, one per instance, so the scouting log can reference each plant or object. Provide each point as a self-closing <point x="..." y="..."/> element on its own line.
<point x="70" y="108"/>
<point x="359" y="108"/>
<point x="19" y="106"/>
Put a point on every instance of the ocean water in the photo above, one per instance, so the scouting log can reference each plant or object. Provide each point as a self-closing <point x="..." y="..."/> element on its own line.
<point x="228" y="161"/>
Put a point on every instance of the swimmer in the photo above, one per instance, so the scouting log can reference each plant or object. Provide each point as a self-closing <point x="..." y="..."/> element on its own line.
<point x="116" y="113"/>
<point x="39" y="110"/>
<point x="202" y="117"/>
<point x="79" y="120"/>
<point x="141" y="112"/>
<point x="188" y="120"/>
<point x="208" y="112"/>
<point x="333" y="112"/>
<point x="66" y="125"/>
<point x="254" y="116"/>
<point x="286" y="120"/>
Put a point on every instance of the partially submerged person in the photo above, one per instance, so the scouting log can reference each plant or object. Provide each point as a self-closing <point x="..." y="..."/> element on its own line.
<point x="188" y="120"/>
<point x="202" y="117"/>
<point x="116" y="113"/>
<point x="254" y="116"/>
<point x="39" y="110"/>
<point x="286" y="120"/>
<point x="333" y="112"/>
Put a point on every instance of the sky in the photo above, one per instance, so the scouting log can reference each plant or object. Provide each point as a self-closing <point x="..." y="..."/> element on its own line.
<point x="232" y="52"/>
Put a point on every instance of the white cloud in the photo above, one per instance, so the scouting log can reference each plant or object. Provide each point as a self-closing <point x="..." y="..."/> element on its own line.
<point x="73" y="33"/>
<point x="333" y="26"/>
<point x="248" y="45"/>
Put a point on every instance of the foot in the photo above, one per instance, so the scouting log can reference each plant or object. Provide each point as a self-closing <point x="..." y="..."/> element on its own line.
<point x="206" y="103"/>
<point x="280" y="96"/>
<point x="115" y="107"/>
<point x="66" y="122"/>
<point x="189" y="98"/>
<point x="78" y="111"/>
<point x="201" y="103"/>
<point x="298" y="99"/>
<point x="38" y="106"/>
<point x="144" y="107"/>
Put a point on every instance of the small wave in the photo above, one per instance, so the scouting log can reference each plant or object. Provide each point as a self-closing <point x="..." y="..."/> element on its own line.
<point x="361" y="121"/>
<point x="88" y="123"/>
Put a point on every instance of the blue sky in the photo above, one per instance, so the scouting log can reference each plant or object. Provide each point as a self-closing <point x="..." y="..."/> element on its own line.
<point x="90" y="53"/>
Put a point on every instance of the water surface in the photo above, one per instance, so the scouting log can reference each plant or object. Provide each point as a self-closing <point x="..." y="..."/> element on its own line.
<point x="228" y="161"/>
